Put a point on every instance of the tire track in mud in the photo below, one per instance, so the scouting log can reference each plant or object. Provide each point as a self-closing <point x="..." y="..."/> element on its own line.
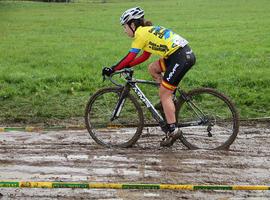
<point x="73" y="156"/>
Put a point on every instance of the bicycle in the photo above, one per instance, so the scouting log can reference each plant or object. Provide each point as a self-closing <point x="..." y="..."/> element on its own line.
<point x="114" y="117"/>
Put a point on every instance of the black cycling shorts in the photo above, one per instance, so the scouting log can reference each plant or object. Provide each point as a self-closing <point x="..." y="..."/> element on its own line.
<point x="176" y="66"/>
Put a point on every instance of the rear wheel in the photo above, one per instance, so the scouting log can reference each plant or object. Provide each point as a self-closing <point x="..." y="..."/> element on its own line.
<point x="209" y="120"/>
<point x="123" y="131"/>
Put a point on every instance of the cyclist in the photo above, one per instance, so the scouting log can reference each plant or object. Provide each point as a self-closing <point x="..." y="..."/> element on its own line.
<point x="176" y="59"/>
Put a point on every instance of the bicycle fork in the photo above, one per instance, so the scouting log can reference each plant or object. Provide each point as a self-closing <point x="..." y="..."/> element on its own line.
<point x="120" y="104"/>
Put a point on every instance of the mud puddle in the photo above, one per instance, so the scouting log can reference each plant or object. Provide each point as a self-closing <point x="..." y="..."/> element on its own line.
<point x="73" y="156"/>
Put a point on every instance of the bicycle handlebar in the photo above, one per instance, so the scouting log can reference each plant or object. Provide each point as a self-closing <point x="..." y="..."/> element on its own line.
<point x="128" y="72"/>
<point x="128" y="76"/>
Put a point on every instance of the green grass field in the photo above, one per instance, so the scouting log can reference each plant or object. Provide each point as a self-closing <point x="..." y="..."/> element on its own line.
<point x="51" y="54"/>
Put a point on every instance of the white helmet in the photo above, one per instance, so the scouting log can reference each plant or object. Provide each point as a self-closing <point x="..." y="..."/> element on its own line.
<point x="132" y="13"/>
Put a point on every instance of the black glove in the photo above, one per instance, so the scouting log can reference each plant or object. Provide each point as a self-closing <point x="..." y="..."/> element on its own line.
<point x="107" y="71"/>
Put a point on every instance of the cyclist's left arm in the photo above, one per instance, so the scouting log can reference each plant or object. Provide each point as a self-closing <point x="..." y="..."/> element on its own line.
<point x="145" y="55"/>
<point x="125" y="61"/>
<point x="130" y="61"/>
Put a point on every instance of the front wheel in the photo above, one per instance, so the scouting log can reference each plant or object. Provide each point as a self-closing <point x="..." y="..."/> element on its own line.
<point x="123" y="131"/>
<point x="208" y="119"/>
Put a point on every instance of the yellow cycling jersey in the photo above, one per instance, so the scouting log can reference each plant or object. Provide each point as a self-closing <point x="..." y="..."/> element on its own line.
<point x="157" y="40"/>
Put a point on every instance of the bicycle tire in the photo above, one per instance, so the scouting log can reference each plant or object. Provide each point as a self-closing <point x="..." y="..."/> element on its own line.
<point x="222" y="128"/>
<point x="122" y="132"/>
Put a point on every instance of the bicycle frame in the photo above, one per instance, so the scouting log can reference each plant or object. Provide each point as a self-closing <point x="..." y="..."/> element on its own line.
<point x="132" y="84"/>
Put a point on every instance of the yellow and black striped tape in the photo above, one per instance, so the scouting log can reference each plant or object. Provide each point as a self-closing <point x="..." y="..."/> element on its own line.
<point x="27" y="184"/>
<point x="38" y="129"/>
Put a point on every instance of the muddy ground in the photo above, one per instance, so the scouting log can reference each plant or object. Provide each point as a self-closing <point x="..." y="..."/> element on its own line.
<point x="74" y="156"/>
